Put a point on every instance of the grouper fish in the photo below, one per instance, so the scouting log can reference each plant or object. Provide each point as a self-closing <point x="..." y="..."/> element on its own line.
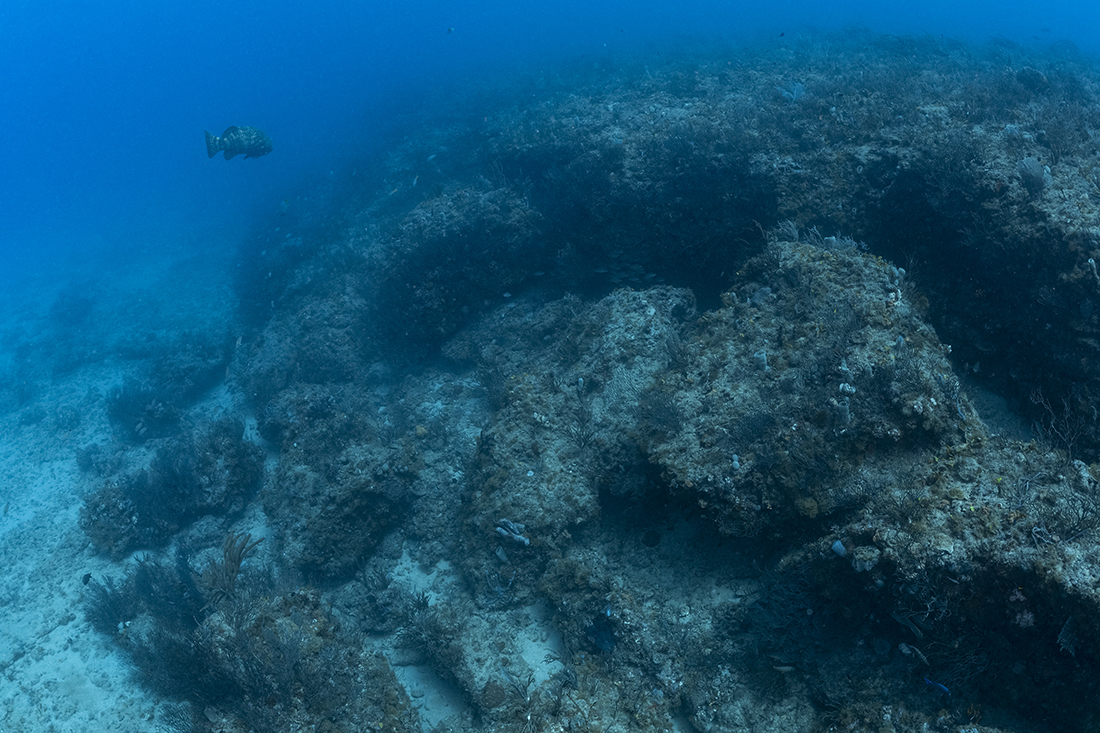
<point x="237" y="140"/>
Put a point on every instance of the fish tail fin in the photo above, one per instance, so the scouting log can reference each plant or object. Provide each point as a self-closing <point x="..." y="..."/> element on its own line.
<point x="213" y="144"/>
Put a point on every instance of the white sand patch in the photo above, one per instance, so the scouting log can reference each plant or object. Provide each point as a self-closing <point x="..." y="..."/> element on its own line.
<point x="539" y="643"/>
<point x="435" y="701"/>
<point x="56" y="672"/>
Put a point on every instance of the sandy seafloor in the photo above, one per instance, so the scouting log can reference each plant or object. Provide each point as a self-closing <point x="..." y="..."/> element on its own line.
<point x="56" y="672"/>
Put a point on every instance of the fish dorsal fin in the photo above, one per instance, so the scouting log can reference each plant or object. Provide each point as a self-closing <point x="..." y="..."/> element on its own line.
<point x="229" y="130"/>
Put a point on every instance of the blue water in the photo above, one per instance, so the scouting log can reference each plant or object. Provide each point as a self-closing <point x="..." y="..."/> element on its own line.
<point x="103" y="166"/>
<point x="102" y="105"/>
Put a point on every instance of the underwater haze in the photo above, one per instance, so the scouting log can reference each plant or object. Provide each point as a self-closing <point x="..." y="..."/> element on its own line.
<point x="104" y="102"/>
<point x="544" y="367"/>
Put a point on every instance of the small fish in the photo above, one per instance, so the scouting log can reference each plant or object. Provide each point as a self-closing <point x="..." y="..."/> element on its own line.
<point x="237" y="140"/>
<point x="937" y="687"/>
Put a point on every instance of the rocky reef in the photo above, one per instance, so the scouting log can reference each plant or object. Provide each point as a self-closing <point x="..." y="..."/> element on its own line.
<point x="751" y="389"/>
